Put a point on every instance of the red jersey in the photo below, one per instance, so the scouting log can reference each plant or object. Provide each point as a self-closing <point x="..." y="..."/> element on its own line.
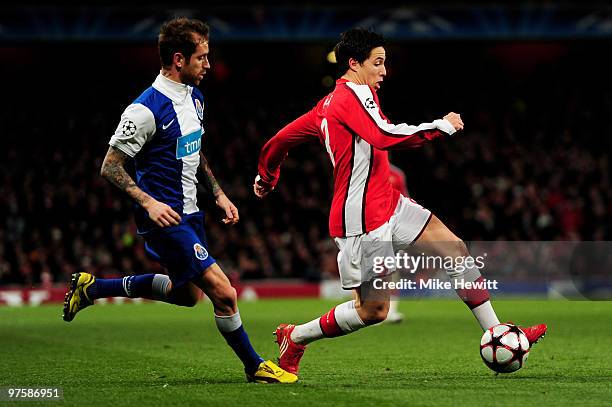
<point x="356" y="135"/>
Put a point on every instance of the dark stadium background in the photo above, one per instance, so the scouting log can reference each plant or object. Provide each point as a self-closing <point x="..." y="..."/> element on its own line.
<point x="533" y="88"/>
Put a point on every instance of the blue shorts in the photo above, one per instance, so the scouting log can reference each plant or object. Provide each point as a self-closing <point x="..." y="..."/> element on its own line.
<point x="182" y="249"/>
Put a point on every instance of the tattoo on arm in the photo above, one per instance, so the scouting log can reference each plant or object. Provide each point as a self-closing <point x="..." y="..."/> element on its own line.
<point x="113" y="169"/>
<point x="209" y="178"/>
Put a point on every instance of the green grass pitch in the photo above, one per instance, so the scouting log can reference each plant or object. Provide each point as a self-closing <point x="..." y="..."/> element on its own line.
<point x="158" y="354"/>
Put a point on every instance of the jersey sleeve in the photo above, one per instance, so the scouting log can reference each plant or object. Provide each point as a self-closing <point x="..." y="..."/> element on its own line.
<point x="302" y="129"/>
<point x="136" y="127"/>
<point x="364" y="117"/>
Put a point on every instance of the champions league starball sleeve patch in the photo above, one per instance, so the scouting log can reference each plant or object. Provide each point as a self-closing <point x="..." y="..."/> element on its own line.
<point x="128" y="128"/>
<point x="135" y="129"/>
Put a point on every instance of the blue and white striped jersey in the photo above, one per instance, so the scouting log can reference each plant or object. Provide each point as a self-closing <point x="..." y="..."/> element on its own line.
<point x="162" y="130"/>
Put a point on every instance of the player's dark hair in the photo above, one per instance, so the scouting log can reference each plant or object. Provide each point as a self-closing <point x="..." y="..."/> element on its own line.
<point x="356" y="43"/>
<point x="176" y="35"/>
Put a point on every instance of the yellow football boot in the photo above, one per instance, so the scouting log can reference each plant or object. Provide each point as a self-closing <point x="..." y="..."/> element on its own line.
<point x="76" y="298"/>
<point x="268" y="372"/>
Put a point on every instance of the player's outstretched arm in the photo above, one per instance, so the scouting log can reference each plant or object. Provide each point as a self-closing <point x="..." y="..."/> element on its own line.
<point x="299" y="131"/>
<point x="387" y="136"/>
<point x="222" y="201"/>
<point x="113" y="169"/>
<point x="363" y="115"/>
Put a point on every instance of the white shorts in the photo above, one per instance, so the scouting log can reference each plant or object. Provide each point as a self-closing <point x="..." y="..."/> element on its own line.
<point x="356" y="252"/>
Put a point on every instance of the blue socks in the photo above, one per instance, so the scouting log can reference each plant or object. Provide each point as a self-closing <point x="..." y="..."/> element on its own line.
<point x="130" y="286"/>
<point x="236" y="337"/>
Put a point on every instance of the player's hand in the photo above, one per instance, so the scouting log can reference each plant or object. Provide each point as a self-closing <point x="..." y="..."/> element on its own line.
<point x="231" y="212"/>
<point x="455" y="120"/>
<point x="259" y="189"/>
<point x="162" y="214"/>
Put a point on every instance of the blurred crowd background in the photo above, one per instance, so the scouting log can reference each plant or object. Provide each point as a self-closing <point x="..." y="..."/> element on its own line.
<point x="533" y="163"/>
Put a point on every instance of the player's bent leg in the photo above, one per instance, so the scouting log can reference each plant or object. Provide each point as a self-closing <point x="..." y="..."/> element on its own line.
<point x="84" y="288"/>
<point x="372" y="312"/>
<point x="292" y="339"/>
<point x="149" y="286"/>
<point x="369" y="306"/>
<point x="392" y="315"/>
<point x="218" y="288"/>
<point x="439" y="240"/>
<point x="186" y="295"/>
<point x="372" y="303"/>
<point x="341" y="320"/>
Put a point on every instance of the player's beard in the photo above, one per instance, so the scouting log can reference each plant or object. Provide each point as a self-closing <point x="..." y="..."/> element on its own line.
<point x="189" y="78"/>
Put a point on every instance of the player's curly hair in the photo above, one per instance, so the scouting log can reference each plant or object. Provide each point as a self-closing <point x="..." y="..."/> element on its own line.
<point x="356" y="43"/>
<point x="176" y="35"/>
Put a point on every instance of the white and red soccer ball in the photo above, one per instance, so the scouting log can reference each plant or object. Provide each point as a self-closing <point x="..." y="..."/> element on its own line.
<point x="504" y="348"/>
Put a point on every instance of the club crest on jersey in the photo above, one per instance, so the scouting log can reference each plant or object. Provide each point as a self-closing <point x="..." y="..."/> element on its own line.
<point x="199" y="109"/>
<point x="369" y="103"/>
<point x="200" y="251"/>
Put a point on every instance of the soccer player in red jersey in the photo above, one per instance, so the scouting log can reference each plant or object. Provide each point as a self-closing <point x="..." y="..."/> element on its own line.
<point x="365" y="207"/>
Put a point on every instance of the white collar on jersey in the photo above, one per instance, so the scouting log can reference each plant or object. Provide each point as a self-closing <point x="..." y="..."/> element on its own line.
<point x="177" y="92"/>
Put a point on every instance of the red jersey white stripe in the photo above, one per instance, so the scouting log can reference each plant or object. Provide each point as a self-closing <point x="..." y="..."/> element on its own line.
<point x="356" y="135"/>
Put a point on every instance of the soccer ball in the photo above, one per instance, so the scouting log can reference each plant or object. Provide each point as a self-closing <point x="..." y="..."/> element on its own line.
<point x="504" y="348"/>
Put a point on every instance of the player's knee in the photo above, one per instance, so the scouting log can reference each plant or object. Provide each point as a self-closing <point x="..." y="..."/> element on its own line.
<point x="188" y="302"/>
<point x="457" y="248"/>
<point x="185" y="300"/>
<point x="375" y="317"/>
<point x="226" y="297"/>
<point x="185" y="296"/>
<point x="374" y="314"/>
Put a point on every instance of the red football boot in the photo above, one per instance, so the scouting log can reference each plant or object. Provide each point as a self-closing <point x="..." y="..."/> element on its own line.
<point x="290" y="352"/>
<point x="534" y="333"/>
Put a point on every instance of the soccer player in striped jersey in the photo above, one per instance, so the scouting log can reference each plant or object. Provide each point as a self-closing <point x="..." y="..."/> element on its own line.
<point x="162" y="132"/>
<point x="365" y="207"/>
